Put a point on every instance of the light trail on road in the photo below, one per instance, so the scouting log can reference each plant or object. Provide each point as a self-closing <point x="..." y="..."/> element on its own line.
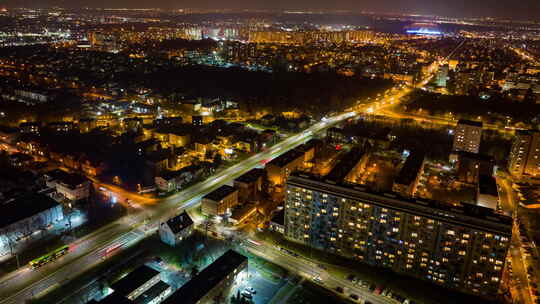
<point x="25" y="284"/>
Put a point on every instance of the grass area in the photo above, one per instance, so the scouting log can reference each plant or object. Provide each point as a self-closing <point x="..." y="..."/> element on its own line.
<point x="283" y="292"/>
<point x="310" y="293"/>
<point x="268" y="270"/>
<point x="415" y="289"/>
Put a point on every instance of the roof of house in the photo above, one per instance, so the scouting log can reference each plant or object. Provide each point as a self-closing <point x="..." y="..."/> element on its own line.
<point x="206" y="280"/>
<point x="286" y="158"/>
<point x="410" y="169"/>
<point x="134" y="280"/>
<point x="279" y="217"/>
<point x="251" y="176"/>
<point x="69" y="179"/>
<point x="20" y="157"/>
<point x="345" y="165"/>
<point x="23" y="207"/>
<point x="114" y="298"/>
<point x="220" y="193"/>
<point x="487" y="185"/>
<point x="154" y="291"/>
<point x="179" y="222"/>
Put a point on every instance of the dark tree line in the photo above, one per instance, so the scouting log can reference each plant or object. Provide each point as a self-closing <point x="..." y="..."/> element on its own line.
<point x="314" y="93"/>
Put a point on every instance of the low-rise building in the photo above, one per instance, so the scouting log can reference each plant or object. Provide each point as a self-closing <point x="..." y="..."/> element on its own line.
<point x="20" y="160"/>
<point x="136" y="282"/>
<point x="155" y="295"/>
<point x="250" y="185"/>
<point x="74" y="187"/>
<point x="220" y="201"/>
<point x="407" y="180"/>
<point x="281" y="167"/>
<point x="487" y="194"/>
<point x="113" y="298"/>
<point x="175" y="180"/>
<point x="471" y="165"/>
<point x="176" y="229"/>
<point x="22" y="216"/>
<point x="212" y="284"/>
<point x="277" y="223"/>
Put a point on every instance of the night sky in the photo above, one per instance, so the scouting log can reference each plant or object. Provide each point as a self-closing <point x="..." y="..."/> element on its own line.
<point x="522" y="9"/>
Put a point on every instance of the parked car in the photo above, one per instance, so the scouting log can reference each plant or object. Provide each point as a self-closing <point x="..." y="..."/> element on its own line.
<point x="247" y="295"/>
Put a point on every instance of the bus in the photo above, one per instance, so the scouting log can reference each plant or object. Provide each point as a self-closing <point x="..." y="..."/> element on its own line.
<point x="49" y="257"/>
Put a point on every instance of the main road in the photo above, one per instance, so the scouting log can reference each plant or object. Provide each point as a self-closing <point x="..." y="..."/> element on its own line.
<point x="25" y="283"/>
<point x="85" y="253"/>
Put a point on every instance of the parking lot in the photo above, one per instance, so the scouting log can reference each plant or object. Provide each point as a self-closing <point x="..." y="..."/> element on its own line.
<point x="264" y="289"/>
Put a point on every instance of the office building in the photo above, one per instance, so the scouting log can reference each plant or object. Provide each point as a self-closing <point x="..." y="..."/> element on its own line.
<point x="525" y="154"/>
<point x="467" y="136"/>
<point x="460" y="247"/>
<point x="176" y="229"/>
<point x="212" y="284"/>
<point x="220" y="201"/>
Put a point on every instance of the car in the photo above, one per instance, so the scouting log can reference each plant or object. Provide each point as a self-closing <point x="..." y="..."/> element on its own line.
<point x="247" y="295"/>
<point x="318" y="280"/>
<point x="250" y="290"/>
<point x="354" y="297"/>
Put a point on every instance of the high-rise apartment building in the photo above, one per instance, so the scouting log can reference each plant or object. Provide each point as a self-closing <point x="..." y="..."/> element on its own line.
<point x="467" y="136"/>
<point x="525" y="154"/>
<point x="460" y="247"/>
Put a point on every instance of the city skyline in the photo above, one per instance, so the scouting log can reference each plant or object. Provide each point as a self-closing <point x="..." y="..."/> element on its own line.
<point x="522" y="10"/>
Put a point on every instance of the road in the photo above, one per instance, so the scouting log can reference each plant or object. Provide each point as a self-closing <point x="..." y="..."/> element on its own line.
<point x="25" y="283"/>
<point x="519" y="283"/>
<point x="309" y="270"/>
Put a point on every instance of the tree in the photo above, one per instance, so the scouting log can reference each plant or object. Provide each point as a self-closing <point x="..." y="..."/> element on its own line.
<point x="194" y="270"/>
<point x="217" y="160"/>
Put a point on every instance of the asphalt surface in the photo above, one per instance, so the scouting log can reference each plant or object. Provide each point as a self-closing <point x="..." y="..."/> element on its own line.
<point x="309" y="270"/>
<point x="87" y="252"/>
